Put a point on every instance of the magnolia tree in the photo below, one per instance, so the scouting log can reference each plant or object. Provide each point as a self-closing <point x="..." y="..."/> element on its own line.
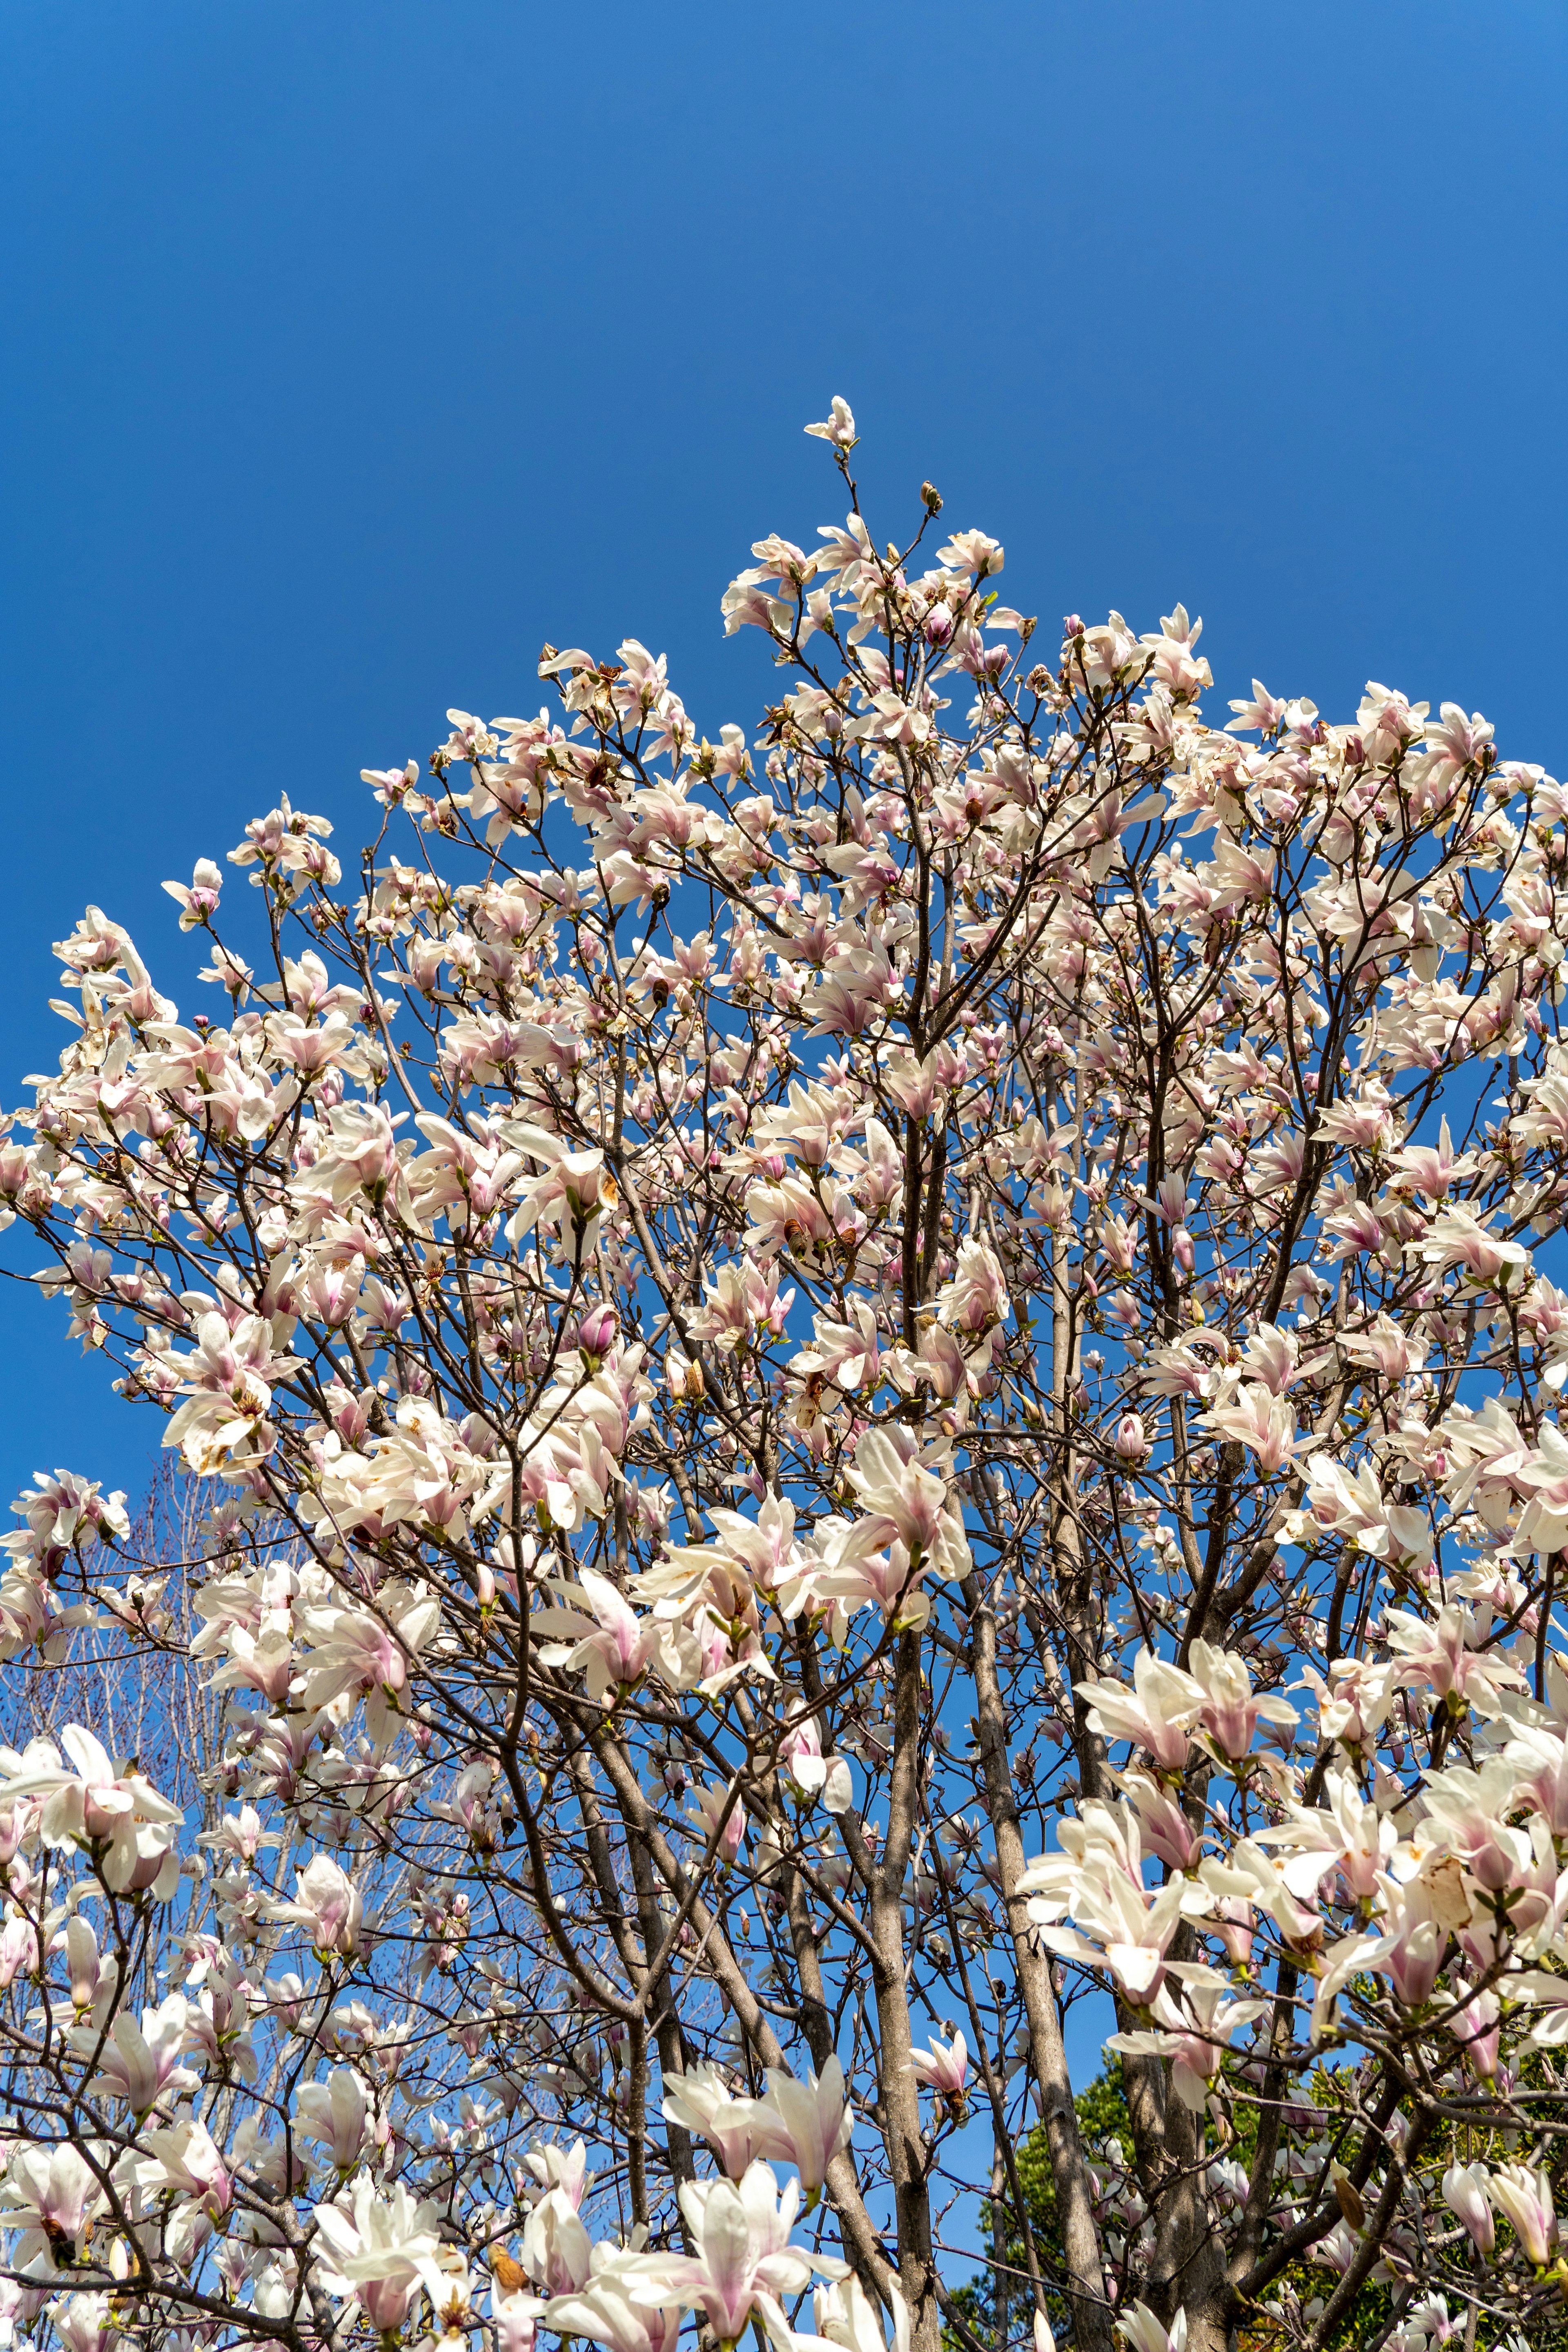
<point x="847" y="1385"/>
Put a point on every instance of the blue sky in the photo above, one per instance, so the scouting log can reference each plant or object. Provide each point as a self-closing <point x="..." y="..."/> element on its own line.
<point x="353" y="351"/>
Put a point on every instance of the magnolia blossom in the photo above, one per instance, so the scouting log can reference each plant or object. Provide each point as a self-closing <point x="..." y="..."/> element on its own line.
<point x="608" y="2311"/>
<point x="1231" y="1710"/>
<point x="121" y="1814"/>
<point x="192" y="2163"/>
<point x="743" y="2260"/>
<point x="327" y="1904"/>
<point x="801" y="2122"/>
<point x="738" y="2127"/>
<point x="1194" y="2030"/>
<point x="1524" y="2194"/>
<point x="556" y="2247"/>
<point x="50" y="2195"/>
<point x="1466" y="2192"/>
<point x="1144" y="2333"/>
<point x="86" y="2323"/>
<point x="1154" y="1714"/>
<point x="943" y="2067"/>
<point x="809" y="2122"/>
<point x="336" y="2112"/>
<point x="814" y="1774"/>
<point x="846" y="2316"/>
<point x="840" y="426"/>
<point x="139" y="2063"/>
<point x="909" y="1500"/>
<point x="383" y="2251"/>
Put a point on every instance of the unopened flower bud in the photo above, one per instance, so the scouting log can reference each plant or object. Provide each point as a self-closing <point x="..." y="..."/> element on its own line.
<point x="597" y="1332"/>
<point x="1130" y="1441"/>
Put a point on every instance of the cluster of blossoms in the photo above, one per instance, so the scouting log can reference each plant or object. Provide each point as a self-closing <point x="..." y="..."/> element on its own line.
<point x="849" y="1386"/>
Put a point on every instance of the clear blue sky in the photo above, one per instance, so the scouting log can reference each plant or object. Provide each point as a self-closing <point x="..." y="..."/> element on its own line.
<point x="355" y="349"/>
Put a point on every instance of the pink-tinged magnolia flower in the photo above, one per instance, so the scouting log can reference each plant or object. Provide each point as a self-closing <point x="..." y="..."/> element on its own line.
<point x="451" y="2285"/>
<point x="1251" y="1873"/>
<point x="1142" y="2332"/>
<point x="86" y="2323"/>
<point x="515" y="2319"/>
<point x="261" y="1662"/>
<point x="701" y="2102"/>
<point x="943" y="2067"/>
<point x="907" y="1500"/>
<point x="1155" y="1714"/>
<point x="1098" y="1881"/>
<point x="711" y="1807"/>
<point x="1411" y="1954"/>
<point x="975" y="1300"/>
<point x="19" y="1948"/>
<point x="1345" y="1829"/>
<point x="972" y="552"/>
<point x="1130" y="1443"/>
<point x="1166" y="1830"/>
<point x="812" y="1773"/>
<point x="1438" y="1657"/>
<point x="1466" y="2192"/>
<point x="226" y="1380"/>
<point x="120" y="1816"/>
<point x="1338" y="2250"/>
<point x="743" y="2263"/>
<point x="806" y="2124"/>
<point x="1354" y="1701"/>
<point x="840" y="426"/>
<point x="1192" y="2031"/>
<point x="548" y="2165"/>
<point x="571" y="1198"/>
<point x="1463" y="1816"/>
<point x="337" y="2113"/>
<point x="555" y="2245"/>
<point x="327" y="1903"/>
<point x="368" y="1652"/>
<point x="608" y="2311"/>
<point x="140" y="2064"/>
<point x="853" y="1569"/>
<point x="198" y="901"/>
<point x="1263" y="1422"/>
<point x="82" y="1961"/>
<point x="49" y="2195"/>
<point x="1543" y="1523"/>
<point x="380" y="2251"/>
<point x="597" y="1332"/>
<point x="1233" y="1924"/>
<point x="847" y="2318"/>
<point x="192" y="2164"/>
<point x="1351" y="1505"/>
<point x="612" y="1649"/>
<point x="1230" y="1713"/>
<point x="1455" y="1238"/>
<point x="1523" y="2193"/>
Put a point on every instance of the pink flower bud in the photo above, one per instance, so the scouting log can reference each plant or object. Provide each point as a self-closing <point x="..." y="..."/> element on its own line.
<point x="1465" y="2193"/>
<point x="597" y="1332"/>
<point x="1130" y="1441"/>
